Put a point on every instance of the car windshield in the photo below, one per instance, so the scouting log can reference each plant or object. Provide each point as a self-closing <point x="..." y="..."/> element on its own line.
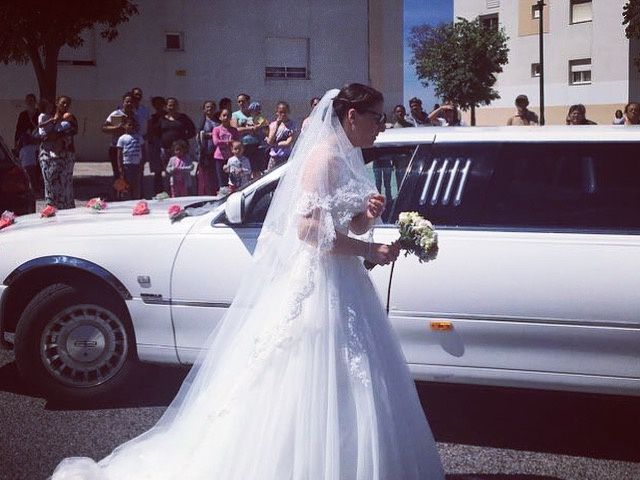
<point x="204" y="206"/>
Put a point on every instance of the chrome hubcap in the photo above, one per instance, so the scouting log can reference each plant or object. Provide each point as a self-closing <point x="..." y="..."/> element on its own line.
<point x="84" y="345"/>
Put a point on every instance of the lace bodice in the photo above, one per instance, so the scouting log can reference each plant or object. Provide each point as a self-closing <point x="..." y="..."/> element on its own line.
<point x="347" y="201"/>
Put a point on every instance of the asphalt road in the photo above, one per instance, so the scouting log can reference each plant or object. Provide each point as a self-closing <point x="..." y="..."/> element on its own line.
<point x="482" y="433"/>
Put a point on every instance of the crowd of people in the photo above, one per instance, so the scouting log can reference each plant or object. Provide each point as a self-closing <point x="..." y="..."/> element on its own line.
<point x="223" y="149"/>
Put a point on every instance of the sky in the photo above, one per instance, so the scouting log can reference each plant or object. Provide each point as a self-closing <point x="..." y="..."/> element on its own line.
<point x="417" y="12"/>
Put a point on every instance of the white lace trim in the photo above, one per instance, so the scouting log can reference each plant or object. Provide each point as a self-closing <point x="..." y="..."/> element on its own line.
<point x="356" y="355"/>
<point x="281" y="334"/>
<point x="347" y="201"/>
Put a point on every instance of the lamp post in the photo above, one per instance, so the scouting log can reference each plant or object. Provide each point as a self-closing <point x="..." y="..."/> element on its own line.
<point x="540" y="7"/>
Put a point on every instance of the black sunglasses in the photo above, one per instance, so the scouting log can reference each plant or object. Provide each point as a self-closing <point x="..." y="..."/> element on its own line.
<point x="380" y="118"/>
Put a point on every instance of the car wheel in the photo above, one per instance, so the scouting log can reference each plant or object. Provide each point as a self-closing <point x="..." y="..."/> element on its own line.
<point x="74" y="343"/>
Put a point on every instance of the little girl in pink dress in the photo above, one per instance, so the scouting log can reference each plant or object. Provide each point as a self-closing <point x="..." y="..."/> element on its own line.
<point x="179" y="170"/>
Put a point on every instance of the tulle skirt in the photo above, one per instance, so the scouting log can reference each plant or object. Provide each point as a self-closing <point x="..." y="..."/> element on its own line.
<point x="310" y="384"/>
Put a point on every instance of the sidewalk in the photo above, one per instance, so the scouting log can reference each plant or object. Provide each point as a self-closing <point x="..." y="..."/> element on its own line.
<point x="95" y="179"/>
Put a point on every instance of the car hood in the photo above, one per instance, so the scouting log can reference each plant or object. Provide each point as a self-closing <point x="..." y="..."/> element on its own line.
<point x="116" y="219"/>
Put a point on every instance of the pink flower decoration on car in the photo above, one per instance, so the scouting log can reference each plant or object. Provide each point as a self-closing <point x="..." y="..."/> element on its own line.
<point x="96" y="204"/>
<point x="141" y="208"/>
<point x="7" y="218"/>
<point x="176" y="212"/>
<point x="48" y="211"/>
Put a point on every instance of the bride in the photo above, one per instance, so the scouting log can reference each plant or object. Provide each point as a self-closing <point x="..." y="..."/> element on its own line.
<point x="304" y="378"/>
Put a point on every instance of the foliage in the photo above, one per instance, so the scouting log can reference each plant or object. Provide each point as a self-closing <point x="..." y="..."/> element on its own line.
<point x="461" y="60"/>
<point x="631" y="18"/>
<point x="35" y="31"/>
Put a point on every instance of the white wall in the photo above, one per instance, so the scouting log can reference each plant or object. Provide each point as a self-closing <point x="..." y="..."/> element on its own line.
<point x="602" y="40"/>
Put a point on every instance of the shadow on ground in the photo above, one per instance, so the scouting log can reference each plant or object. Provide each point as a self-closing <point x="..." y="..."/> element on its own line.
<point x="500" y="477"/>
<point x="150" y="386"/>
<point x="597" y="426"/>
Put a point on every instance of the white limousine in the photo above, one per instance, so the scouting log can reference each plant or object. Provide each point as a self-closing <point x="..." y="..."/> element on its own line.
<point x="536" y="283"/>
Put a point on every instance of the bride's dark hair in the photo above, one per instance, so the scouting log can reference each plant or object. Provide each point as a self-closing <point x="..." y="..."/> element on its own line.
<point x="358" y="96"/>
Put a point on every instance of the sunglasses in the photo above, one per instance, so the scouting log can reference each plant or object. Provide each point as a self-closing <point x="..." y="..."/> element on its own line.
<point x="380" y="118"/>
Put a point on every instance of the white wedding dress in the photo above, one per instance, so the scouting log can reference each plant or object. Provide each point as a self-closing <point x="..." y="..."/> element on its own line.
<point x="304" y="378"/>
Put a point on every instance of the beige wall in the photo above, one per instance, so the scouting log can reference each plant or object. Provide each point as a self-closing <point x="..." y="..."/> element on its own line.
<point x="555" y="115"/>
<point x="386" y="19"/>
<point x="528" y="25"/>
<point x="217" y="61"/>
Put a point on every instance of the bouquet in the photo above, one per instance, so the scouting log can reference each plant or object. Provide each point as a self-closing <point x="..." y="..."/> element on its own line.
<point x="140" y="208"/>
<point x="48" y="211"/>
<point x="417" y="236"/>
<point x="96" y="204"/>
<point x="176" y="213"/>
<point x="6" y="219"/>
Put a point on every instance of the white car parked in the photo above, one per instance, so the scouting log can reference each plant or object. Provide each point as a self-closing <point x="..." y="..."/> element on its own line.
<point x="535" y="285"/>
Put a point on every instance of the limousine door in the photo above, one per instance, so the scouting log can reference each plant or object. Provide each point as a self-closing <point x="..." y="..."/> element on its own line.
<point x="536" y="279"/>
<point x="208" y="270"/>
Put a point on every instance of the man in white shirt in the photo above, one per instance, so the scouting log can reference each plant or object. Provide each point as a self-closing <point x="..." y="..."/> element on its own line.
<point x="113" y="126"/>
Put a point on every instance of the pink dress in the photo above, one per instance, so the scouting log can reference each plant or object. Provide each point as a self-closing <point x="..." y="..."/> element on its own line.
<point x="221" y="136"/>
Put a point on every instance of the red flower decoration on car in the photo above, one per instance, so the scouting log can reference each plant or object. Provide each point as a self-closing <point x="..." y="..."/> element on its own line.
<point x="176" y="212"/>
<point x="7" y="218"/>
<point x="48" y="211"/>
<point x="141" y="208"/>
<point x="96" y="204"/>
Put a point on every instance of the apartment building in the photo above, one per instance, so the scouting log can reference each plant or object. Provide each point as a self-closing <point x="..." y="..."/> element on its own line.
<point x="587" y="58"/>
<point x="207" y="49"/>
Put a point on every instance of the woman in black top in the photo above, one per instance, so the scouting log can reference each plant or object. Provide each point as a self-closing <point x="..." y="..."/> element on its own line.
<point x="173" y="126"/>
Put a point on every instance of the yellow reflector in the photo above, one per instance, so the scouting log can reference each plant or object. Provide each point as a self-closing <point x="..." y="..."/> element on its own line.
<point x="441" y="326"/>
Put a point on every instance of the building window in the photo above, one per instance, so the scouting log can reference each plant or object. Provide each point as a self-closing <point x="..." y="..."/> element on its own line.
<point x="83" y="55"/>
<point x="535" y="12"/>
<point x="535" y="69"/>
<point x="490" y="22"/>
<point x="286" y="58"/>
<point x="174" y="41"/>
<point x="580" y="71"/>
<point x="493" y="3"/>
<point x="581" y="11"/>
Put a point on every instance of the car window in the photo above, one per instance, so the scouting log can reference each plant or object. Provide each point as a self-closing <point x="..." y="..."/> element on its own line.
<point x="257" y="208"/>
<point x="387" y="167"/>
<point x="566" y="186"/>
<point x="447" y="183"/>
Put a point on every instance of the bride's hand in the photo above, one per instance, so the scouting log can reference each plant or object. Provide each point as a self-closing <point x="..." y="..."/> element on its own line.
<point x="382" y="254"/>
<point x="375" y="207"/>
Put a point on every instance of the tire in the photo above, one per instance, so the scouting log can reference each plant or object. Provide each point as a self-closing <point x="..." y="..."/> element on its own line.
<point x="74" y="343"/>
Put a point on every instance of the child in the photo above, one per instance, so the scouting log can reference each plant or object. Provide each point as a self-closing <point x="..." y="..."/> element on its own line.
<point x="47" y="125"/>
<point x="238" y="167"/>
<point x="179" y="169"/>
<point x="129" y="157"/>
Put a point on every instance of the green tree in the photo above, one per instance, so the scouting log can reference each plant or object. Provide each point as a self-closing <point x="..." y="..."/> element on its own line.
<point x="631" y="18"/>
<point x="461" y="60"/>
<point x="35" y="31"/>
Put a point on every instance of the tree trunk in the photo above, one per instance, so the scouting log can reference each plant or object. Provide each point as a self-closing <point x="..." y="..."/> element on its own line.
<point x="50" y="73"/>
<point x="46" y="70"/>
<point x="473" y="115"/>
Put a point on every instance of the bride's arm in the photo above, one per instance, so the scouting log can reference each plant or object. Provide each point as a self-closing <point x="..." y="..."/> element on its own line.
<point x="363" y="222"/>
<point x="308" y="231"/>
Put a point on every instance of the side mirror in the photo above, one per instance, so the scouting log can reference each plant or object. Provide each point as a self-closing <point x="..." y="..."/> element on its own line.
<point x="234" y="208"/>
